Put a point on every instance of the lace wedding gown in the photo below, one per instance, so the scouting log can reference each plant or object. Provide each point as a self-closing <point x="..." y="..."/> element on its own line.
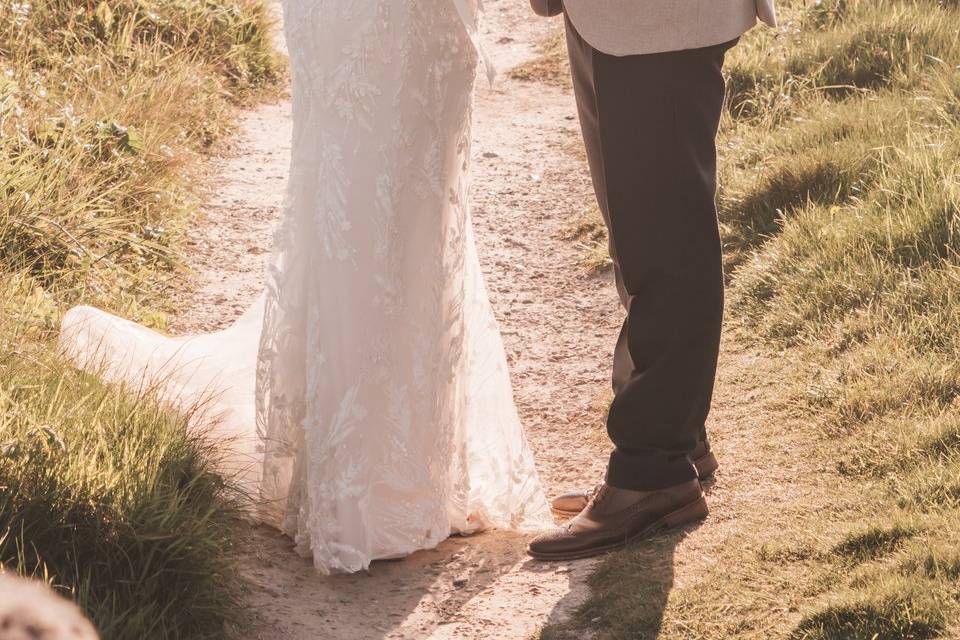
<point x="365" y="397"/>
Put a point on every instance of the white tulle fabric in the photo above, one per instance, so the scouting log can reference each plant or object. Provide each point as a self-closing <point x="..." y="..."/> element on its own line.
<point x="365" y="397"/>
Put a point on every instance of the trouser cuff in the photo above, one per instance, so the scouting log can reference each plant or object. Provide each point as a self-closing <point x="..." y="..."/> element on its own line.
<point x="648" y="470"/>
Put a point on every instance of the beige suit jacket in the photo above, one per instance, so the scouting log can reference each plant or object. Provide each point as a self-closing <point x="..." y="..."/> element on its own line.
<point x="633" y="27"/>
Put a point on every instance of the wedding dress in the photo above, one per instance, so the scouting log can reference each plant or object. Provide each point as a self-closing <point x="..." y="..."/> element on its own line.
<point x="365" y="397"/>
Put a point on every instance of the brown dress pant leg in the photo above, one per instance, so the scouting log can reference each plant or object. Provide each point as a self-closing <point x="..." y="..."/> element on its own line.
<point x="649" y="124"/>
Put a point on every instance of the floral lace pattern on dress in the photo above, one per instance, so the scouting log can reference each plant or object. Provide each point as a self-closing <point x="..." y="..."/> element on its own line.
<point x="368" y="388"/>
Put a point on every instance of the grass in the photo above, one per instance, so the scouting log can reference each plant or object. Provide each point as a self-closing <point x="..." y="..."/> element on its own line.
<point x="840" y="212"/>
<point x="125" y="512"/>
<point x="873" y="543"/>
<point x="590" y="235"/>
<point x="884" y="616"/>
<point x="105" y="110"/>
<point x="551" y="65"/>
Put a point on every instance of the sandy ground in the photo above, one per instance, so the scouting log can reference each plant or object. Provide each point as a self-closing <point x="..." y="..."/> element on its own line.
<point x="559" y="326"/>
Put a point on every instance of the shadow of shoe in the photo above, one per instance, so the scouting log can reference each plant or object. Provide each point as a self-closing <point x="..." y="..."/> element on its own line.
<point x="628" y="594"/>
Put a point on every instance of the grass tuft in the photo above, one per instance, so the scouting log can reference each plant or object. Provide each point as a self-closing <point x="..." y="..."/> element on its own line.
<point x="874" y="542"/>
<point x="590" y="235"/>
<point x="126" y="514"/>
<point x="885" y="618"/>
<point x="551" y="66"/>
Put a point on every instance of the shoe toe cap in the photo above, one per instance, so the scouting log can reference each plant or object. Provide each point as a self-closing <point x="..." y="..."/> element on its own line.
<point x="552" y="541"/>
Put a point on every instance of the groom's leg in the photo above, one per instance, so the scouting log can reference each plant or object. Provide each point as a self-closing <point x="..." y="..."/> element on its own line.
<point x="649" y="123"/>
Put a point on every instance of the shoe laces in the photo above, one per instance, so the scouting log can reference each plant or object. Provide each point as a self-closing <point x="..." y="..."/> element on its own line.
<point x="598" y="493"/>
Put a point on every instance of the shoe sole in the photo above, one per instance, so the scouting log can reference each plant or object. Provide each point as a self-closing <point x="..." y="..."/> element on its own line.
<point x="706" y="465"/>
<point x="693" y="512"/>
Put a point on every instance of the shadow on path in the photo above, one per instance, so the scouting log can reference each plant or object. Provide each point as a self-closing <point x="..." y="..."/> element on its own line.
<point x="417" y="597"/>
<point x="633" y="584"/>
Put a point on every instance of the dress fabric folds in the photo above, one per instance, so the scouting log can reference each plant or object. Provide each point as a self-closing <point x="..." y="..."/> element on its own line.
<point x="365" y="397"/>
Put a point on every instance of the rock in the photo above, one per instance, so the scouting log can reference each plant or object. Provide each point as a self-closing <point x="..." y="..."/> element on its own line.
<point x="30" y="609"/>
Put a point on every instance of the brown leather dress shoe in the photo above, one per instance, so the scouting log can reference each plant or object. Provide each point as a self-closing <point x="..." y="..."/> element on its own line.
<point x="570" y="504"/>
<point x="615" y="517"/>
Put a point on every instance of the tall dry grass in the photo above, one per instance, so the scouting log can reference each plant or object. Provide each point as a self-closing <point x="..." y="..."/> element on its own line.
<point x="105" y="109"/>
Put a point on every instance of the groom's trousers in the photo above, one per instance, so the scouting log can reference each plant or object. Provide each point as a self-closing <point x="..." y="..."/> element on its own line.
<point x="649" y="124"/>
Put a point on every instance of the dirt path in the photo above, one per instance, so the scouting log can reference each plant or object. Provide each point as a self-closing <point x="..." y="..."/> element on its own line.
<point x="228" y="250"/>
<point x="527" y="188"/>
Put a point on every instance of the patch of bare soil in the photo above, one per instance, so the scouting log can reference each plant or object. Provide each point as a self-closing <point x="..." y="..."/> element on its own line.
<point x="229" y="247"/>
